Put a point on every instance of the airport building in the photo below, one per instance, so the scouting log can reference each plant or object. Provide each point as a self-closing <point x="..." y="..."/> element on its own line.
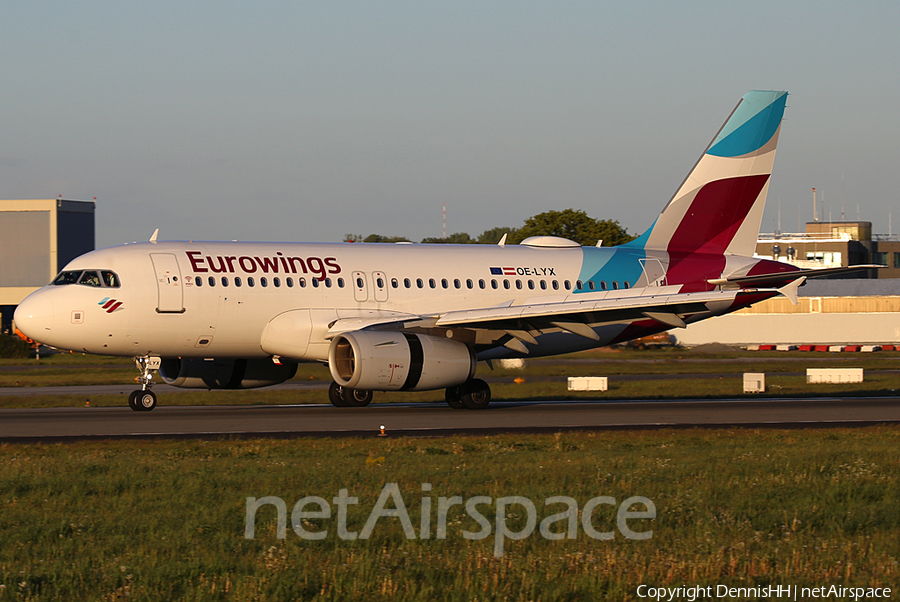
<point x="37" y="238"/>
<point x="835" y="244"/>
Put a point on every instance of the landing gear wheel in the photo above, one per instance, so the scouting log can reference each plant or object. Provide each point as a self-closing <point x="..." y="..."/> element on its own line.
<point x="452" y="395"/>
<point x="336" y="396"/>
<point x="476" y="394"/>
<point x="145" y="401"/>
<point x="357" y="398"/>
<point x="132" y="400"/>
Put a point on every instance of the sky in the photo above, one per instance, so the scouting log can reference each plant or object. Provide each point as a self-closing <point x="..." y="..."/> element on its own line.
<point x="307" y="121"/>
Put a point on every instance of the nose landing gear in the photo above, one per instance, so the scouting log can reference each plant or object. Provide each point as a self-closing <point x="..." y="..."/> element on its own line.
<point x="144" y="400"/>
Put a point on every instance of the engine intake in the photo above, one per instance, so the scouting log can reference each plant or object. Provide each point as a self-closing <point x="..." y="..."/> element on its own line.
<point x="224" y="373"/>
<point x="398" y="361"/>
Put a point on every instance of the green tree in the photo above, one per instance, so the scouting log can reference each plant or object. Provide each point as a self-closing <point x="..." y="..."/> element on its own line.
<point x="458" y="238"/>
<point x="493" y="236"/>
<point x="574" y="225"/>
<point x="380" y="238"/>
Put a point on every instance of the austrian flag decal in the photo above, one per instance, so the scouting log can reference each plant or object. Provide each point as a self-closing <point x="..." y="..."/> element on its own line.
<point x="110" y="305"/>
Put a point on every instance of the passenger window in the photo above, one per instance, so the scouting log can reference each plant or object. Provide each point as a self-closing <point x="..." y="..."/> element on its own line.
<point x="276" y="282"/>
<point x="615" y="285"/>
<point x="395" y="283"/>
<point x="110" y="279"/>
<point x="407" y="283"/>
<point x="328" y="283"/>
<point x="531" y="284"/>
<point x="506" y="284"/>
<point x="212" y="281"/>
<point x="470" y="284"/>
<point x="419" y="283"/>
<point x="289" y="281"/>
<point x="578" y="285"/>
<point x="457" y="283"/>
<point x="444" y="283"/>
<point x="555" y="285"/>
<point x="90" y="278"/>
<point x="379" y="282"/>
<point x="301" y="282"/>
<point x="250" y="281"/>
<point x="359" y="283"/>
<point x="224" y="281"/>
<point x="493" y="283"/>
<point x="432" y="283"/>
<point x="519" y="284"/>
<point x="567" y="285"/>
<point x="603" y="285"/>
<point x="237" y="280"/>
<point x="340" y="282"/>
<point x="591" y="284"/>
<point x="481" y="284"/>
<point x="199" y="282"/>
<point x="315" y="282"/>
<point x="627" y="284"/>
<point x="264" y="282"/>
<point x="543" y="285"/>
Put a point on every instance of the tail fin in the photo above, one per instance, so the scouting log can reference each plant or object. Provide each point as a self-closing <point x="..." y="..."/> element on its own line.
<point x="719" y="206"/>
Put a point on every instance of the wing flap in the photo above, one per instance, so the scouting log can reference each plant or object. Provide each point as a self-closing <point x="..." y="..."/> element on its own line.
<point x="668" y="309"/>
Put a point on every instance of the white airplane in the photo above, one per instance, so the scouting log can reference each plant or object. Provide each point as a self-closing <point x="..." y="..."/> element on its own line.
<point x="401" y="317"/>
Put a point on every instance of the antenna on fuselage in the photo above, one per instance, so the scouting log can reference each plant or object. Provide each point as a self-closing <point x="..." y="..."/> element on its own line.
<point x="153" y="237"/>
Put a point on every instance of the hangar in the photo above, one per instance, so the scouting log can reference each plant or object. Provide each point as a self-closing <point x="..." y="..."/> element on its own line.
<point x="37" y="238"/>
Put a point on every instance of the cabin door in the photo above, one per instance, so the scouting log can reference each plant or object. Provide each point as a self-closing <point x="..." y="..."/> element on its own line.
<point x="168" y="283"/>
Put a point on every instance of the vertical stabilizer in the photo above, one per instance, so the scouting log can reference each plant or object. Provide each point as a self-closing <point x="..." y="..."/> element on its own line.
<point x="719" y="206"/>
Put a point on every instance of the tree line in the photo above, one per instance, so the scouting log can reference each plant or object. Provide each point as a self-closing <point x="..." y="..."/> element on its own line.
<point x="573" y="224"/>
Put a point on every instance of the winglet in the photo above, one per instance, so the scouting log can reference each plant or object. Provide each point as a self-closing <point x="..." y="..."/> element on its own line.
<point x="153" y="237"/>
<point x="790" y="290"/>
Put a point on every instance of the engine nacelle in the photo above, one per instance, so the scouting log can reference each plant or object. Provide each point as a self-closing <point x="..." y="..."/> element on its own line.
<point x="224" y="373"/>
<point x="398" y="361"/>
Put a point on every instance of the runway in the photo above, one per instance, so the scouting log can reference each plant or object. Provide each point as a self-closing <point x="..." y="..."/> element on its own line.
<point x="437" y="419"/>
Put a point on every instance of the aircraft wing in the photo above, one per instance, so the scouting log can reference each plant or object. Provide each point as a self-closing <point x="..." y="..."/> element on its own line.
<point x="576" y="316"/>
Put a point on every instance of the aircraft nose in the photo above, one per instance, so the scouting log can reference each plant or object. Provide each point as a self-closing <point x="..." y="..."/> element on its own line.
<point x="34" y="317"/>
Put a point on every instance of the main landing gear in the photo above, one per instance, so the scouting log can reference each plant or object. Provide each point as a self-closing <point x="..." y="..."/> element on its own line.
<point x="471" y="395"/>
<point x="144" y="400"/>
<point x="345" y="397"/>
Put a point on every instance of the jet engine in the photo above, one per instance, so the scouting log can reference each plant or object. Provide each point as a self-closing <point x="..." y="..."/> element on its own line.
<point x="224" y="373"/>
<point x="392" y="361"/>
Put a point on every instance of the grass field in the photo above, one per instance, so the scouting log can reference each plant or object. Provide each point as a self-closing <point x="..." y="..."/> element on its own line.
<point x="166" y="520"/>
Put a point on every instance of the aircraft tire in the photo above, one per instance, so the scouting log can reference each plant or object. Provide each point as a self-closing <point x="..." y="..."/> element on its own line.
<point x="132" y="400"/>
<point x="145" y="401"/>
<point x="357" y="398"/>
<point x="336" y="396"/>
<point x="452" y="396"/>
<point x="476" y="394"/>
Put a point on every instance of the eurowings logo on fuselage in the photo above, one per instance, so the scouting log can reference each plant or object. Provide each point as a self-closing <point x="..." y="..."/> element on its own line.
<point x="318" y="266"/>
<point x="110" y="305"/>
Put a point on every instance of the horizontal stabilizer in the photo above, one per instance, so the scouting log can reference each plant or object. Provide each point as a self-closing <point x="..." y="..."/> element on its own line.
<point x="782" y="276"/>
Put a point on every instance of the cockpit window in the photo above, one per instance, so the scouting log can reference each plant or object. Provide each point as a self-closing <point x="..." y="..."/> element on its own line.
<point x="95" y="278"/>
<point x="90" y="278"/>
<point x="67" y="278"/>
<point x="110" y="279"/>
